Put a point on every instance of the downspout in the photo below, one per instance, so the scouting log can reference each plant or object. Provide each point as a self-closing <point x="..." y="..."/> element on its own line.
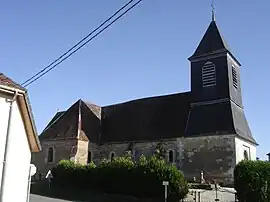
<point x="3" y="179"/>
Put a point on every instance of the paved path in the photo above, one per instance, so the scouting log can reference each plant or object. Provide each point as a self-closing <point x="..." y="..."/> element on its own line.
<point x="224" y="195"/>
<point x="37" y="198"/>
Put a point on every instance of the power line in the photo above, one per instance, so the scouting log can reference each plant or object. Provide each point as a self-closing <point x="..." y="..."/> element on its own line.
<point x="23" y="84"/>
<point x="62" y="58"/>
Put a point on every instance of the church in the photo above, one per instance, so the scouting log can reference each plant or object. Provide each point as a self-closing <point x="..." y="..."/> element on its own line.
<point x="204" y="129"/>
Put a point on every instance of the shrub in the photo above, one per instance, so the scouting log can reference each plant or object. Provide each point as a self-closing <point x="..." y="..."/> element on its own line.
<point x="252" y="181"/>
<point x="124" y="176"/>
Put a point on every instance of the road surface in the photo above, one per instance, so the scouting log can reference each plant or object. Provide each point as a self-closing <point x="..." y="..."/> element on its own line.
<point x="37" y="198"/>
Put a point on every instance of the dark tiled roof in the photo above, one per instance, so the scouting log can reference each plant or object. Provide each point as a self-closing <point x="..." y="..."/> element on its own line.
<point x="54" y="119"/>
<point x="94" y="108"/>
<point x="206" y="119"/>
<point x="220" y="118"/>
<point x="90" y="115"/>
<point x="212" y="41"/>
<point x="64" y="126"/>
<point x="240" y="123"/>
<point x="149" y="119"/>
<point x="5" y="81"/>
<point x="146" y="119"/>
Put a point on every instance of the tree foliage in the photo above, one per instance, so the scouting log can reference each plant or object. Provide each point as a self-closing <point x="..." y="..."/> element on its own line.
<point x="252" y="181"/>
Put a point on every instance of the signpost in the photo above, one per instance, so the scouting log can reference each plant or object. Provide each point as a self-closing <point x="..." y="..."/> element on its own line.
<point x="165" y="183"/>
<point x="32" y="171"/>
<point x="49" y="176"/>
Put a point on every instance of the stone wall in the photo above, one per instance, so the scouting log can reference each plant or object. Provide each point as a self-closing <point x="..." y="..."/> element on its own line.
<point x="62" y="149"/>
<point x="82" y="152"/>
<point x="214" y="155"/>
<point x="137" y="149"/>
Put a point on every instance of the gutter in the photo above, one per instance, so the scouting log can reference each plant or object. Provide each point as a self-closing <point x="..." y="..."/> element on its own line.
<point x="3" y="179"/>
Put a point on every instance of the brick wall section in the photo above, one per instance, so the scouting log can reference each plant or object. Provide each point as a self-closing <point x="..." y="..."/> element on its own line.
<point x="215" y="155"/>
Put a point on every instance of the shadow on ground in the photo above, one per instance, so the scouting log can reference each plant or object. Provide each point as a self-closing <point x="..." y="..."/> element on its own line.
<point x="42" y="188"/>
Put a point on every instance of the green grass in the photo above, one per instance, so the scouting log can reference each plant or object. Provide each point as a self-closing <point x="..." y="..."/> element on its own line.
<point x="42" y="188"/>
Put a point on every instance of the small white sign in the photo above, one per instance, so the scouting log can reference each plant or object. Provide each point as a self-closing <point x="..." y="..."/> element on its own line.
<point x="165" y="183"/>
<point x="49" y="174"/>
<point x="72" y="158"/>
<point x="33" y="169"/>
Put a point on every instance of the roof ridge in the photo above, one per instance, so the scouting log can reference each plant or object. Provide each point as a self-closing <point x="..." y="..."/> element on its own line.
<point x="7" y="81"/>
<point x="146" y="98"/>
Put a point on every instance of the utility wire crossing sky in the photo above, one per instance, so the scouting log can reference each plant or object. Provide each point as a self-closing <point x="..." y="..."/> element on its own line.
<point x="68" y="53"/>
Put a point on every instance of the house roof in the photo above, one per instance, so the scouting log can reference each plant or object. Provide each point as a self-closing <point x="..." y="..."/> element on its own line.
<point x="5" y="81"/>
<point x="9" y="87"/>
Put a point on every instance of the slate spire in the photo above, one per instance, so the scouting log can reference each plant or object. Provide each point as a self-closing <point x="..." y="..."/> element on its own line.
<point x="212" y="41"/>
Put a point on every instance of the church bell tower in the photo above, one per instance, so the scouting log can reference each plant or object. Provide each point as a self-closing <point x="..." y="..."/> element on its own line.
<point x="216" y="100"/>
<point x="215" y="74"/>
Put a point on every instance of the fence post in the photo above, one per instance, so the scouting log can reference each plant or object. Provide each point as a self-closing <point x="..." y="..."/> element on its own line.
<point x="199" y="196"/>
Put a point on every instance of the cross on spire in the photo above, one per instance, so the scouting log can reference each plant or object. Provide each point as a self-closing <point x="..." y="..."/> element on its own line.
<point x="213" y="10"/>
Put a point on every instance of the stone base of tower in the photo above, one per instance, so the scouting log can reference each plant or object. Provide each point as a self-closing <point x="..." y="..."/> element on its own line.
<point x="215" y="156"/>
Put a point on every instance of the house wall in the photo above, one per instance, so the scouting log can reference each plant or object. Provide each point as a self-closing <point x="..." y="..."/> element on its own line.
<point x="19" y="155"/>
<point x="214" y="155"/>
<point x="241" y="146"/>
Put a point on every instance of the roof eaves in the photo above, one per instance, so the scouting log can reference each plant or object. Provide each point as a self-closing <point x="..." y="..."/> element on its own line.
<point x="30" y="112"/>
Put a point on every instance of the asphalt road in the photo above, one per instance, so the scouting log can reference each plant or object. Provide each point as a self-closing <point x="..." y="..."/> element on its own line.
<point x="37" y="198"/>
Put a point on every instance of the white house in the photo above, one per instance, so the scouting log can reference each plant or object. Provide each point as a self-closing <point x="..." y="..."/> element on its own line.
<point x="18" y="138"/>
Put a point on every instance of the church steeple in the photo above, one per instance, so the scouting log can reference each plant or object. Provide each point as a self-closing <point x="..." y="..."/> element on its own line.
<point x="215" y="98"/>
<point x="212" y="42"/>
<point x="215" y="72"/>
<point x="213" y="11"/>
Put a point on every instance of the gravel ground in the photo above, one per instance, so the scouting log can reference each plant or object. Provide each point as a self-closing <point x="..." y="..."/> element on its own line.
<point x="224" y="195"/>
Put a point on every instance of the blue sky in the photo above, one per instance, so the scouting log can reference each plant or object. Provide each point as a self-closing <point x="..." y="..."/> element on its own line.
<point x="143" y="54"/>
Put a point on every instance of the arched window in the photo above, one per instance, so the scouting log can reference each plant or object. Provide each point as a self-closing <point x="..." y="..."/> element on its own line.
<point x="50" y="155"/>
<point x="208" y="74"/>
<point x="171" y="156"/>
<point x="246" y="155"/>
<point x="112" y="156"/>
<point x="89" y="157"/>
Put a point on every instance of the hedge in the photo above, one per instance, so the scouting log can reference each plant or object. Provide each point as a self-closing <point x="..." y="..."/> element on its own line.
<point x="252" y="181"/>
<point x="123" y="176"/>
